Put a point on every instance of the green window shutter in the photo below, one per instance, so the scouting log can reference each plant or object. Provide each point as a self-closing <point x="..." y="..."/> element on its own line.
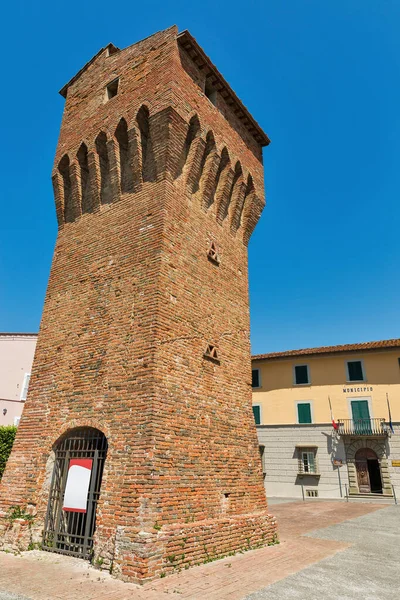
<point x="360" y="409"/>
<point x="301" y="374"/>
<point x="361" y="420"/>
<point x="257" y="414"/>
<point x="304" y="412"/>
<point x="255" y="378"/>
<point x="355" y="370"/>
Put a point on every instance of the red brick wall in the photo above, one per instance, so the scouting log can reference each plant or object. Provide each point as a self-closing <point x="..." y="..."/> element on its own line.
<point x="132" y="303"/>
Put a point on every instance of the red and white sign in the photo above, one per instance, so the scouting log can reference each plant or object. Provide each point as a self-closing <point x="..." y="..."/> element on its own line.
<point x="77" y="486"/>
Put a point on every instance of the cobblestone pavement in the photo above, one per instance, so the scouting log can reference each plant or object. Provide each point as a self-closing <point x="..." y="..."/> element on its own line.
<point x="44" y="576"/>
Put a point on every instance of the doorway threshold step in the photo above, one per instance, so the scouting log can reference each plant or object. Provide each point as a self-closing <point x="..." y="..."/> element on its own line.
<point x="371" y="495"/>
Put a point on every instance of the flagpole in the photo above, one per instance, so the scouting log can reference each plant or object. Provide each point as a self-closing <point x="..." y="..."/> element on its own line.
<point x="390" y="414"/>
<point x="334" y="424"/>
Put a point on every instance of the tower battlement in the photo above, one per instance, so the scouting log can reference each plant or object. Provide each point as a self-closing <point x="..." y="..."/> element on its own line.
<point x="163" y="146"/>
<point x="142" y="369"/>
<point x="207" y="142"/>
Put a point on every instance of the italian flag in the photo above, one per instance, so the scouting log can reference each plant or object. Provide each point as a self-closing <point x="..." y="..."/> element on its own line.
<point x="335" y="425"/>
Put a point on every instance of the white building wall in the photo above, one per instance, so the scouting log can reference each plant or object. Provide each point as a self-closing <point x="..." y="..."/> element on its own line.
<point x="281" y="460"/>
<point x="393" y="453"/>
<point x="16" y="358"/>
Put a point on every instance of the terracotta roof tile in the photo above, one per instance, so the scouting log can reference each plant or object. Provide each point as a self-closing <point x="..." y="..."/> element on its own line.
<point x="361" y="347"/>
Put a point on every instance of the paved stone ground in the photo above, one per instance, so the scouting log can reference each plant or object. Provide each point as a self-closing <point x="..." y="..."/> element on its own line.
<point x="45" y="576"/>
<point x="368" y="569"/>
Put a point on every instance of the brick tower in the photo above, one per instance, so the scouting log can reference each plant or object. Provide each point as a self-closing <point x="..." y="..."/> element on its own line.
<point x="142" y="367"/>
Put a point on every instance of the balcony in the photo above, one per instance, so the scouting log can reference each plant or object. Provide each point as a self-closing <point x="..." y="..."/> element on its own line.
<point x="363" y="427"/>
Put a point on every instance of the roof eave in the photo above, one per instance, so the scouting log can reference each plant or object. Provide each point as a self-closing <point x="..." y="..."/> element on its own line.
<point x="110" y="47"/>
<point x="188" y="42"/>
<point x="383" y="345"/>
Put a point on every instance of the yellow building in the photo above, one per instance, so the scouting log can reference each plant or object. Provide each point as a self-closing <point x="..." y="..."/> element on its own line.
<point x="293" y="394"/>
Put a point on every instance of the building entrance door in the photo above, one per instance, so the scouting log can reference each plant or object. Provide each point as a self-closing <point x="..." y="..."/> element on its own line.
<point x="368" y="472"/>
<point x="374" y="473"/>
<point x="74" y="493"/>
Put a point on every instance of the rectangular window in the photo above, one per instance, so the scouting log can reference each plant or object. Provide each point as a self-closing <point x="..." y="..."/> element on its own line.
<point x="301" y="375"/>
<point x="355" y="370"/>
<point x="307" y="459"/>
<point x="361" y="417"/>
<point x="112" y="89"/>
<point x="309" y="464"/>
<point x="304" y="412"/>
<point x="262" y="456"/>
<point x="25" y="386"/>
<point x="257" y="414"/>
<point x="255" y="378"/>
<point x="211" y="93"/>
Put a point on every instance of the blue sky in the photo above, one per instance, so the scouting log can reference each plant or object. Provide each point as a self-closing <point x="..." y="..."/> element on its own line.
<point x="322" y="79"/>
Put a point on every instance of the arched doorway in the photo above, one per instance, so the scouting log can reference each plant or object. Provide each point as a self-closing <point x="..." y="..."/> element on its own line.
<point x="74" y="493"/>
<point x="368" y="471"/>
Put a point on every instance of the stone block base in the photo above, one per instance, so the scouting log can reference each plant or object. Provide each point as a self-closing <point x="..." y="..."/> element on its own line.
<point x="18" y="535"/>
<point x="159" y="551"/>
<point x="172" y="548"/>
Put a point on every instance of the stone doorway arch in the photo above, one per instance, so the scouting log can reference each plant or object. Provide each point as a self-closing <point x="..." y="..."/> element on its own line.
<point x="368" y="469"/>
<point x="362" y="450"/>
<point x="79" y="457"/>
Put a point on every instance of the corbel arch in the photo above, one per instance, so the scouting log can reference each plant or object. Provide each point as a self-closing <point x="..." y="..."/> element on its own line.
<point x="236" y="182"/>
<point x="104" y="164"/>
<point x="64" y="168"/>
<point x="148" y="165"/>
<point x="205" y="163"/>
<point x="124" y="153"/>
<point x="244" y="196"/>
<point x="84" y="177"/>
<point x="193" y="131"/>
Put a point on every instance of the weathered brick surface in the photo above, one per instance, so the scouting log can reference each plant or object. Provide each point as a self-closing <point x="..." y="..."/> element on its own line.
<point x="132" y="303"/>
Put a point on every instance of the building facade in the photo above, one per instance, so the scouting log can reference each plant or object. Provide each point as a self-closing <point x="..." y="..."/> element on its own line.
<point x="295" y="396"/>
<point x="141" y="379"/>
<point x="16" y="357"/>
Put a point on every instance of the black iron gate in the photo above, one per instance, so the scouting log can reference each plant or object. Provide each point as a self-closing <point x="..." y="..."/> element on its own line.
<point x="72" y="532"/>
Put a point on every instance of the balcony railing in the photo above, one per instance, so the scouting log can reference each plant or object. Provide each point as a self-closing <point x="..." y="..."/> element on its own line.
<point x="362" y="427"/>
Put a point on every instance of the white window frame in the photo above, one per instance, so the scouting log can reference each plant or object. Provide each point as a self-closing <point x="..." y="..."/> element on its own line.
<point x="25" y="387"/>
<point x="261" y="418"/>
<point x="307" y="449"/>
<point x="314" y="460"/>
<point x="308" y="374"/>
<point x="259" y="378"/>
<point x="262" y="457"/>
<point x="310" y="402"/>
<point x="348" y="380"/>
